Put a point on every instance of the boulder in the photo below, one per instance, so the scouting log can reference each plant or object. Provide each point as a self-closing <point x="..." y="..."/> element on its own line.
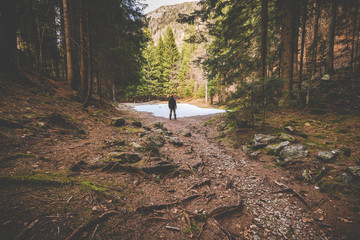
<point x="255" y="155"/>
<point x="354" y="171"/>
<point x="175" y="141"/>
<point x="246" y="149"/>
<point x="289" y="129"/>
<point x="144" y="133"/>
<point x="293" y="152"/>
<point x="262" y="138"/>
<point x="158" y="140"/>
<point x="276" y="148"/>
<point x="159" y="131"/>
<point x="159" y="125"/>
<point x="287" y="137"/>
<point x="327" y="156"/>
<point x="187" y="134"/>
<point x="136" y="145"/>
<point x="257" y="145"/>
<point x="137" y="124"/>
<point x="118" y="122"/>
<point x="126" y="157"/>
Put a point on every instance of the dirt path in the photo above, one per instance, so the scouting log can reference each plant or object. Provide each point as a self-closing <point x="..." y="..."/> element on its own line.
<point x="265" y="214"/>
<point x="63" y="174"/>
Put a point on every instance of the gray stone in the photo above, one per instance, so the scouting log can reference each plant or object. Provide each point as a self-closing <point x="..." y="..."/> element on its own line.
<point x="136" y="145"/>
<point x="276" y="148"/>
<point x="246" y="149"/>
<point x="293" y="152"/>
<point x="354" y="171"/>
<point x="144" y="133"/>
<point x="126" y="157"/>
<point x="326" y="156"/>
<point x="255" y="155"/>
<point x="257" y="145"/>
<point x="346" y="178"/>
<point x="159" y="131"/>
<point x="289" y="129"/>
<point x="262" y="138"/>
<point x="287" y="137"/>
<point x="118" y="122"/>
<point x="159" y="125"/>
<point x="175" y="141"/>
<point x="326" y="77"/>
<point x="158" y="140"/>
<point x="187" y="134"/>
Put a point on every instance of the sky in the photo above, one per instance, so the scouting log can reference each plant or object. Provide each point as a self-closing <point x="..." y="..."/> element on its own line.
<point x="154" y="4"/>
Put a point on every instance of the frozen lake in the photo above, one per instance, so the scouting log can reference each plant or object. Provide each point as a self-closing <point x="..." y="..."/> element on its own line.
<point x="183" y="110"/>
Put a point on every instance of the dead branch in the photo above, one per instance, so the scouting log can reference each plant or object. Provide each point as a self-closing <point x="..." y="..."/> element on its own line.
<point x="166" y="205"/>
<point x="173" y="228"/>
<point x="295" y="193"/>
<point x="192" y="170"/>
<point x="26" y="230"/>
<point x="159" y="228"/>
<point x="89" y="224"/>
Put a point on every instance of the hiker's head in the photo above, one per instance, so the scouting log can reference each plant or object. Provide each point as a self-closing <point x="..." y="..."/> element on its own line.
<point x="172" y="96"/>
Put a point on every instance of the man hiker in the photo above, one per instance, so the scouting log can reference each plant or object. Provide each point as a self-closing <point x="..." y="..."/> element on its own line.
<point x="172" y="106"/>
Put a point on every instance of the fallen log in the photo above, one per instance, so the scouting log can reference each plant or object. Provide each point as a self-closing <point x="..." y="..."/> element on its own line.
<point x="76" y="234"/>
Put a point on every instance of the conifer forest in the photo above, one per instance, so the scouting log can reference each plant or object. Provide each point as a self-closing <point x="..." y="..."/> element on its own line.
<point x="265" y="142"/>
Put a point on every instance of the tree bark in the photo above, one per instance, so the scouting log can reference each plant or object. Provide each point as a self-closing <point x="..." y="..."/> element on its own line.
<point x="303" y="35"/>
<point x="264" y="29"/>
<point x="69" y="62"/>
<point x="287" y="59"/>
<point x="83" y="80"/>
<point x="88" y="47"/>
<point x="315" y="43"/>
<point x="331" y="37"/>
<point x="8" y="28"/>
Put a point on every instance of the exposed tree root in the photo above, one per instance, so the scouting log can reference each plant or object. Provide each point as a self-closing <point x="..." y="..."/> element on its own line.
<point x="290" y="190"/>
<point x="223" y="210"/>
<point x="76" y="234"/>
<point x="200" y="184"/>
<point x="166" y="205"/>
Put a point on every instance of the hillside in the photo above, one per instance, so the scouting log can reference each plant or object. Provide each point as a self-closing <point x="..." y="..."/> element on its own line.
<point x="166" y="16"/>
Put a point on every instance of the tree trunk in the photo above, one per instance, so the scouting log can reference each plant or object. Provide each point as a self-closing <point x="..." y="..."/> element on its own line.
<point x="287" y="57"/>
<point x="88" y="46"/>
<point x="264" y="23"/>
<point x="303" y="35"/>
<point x="83" y="80"/>
<point x="69" y="62"/>
<point x="8" y="28"/>
<point x="264" y="29"/>
<point x="315" y="43"/>
<point x="331" y="37"/>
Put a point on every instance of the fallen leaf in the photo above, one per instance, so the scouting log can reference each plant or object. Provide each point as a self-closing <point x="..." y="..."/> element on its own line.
<point x="305" y="220"/>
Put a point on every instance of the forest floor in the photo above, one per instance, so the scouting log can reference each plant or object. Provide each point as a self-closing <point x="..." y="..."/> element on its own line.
<point x="68" y="173"/>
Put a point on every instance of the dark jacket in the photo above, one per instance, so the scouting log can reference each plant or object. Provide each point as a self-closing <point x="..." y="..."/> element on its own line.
<point x="172" y="103"/>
